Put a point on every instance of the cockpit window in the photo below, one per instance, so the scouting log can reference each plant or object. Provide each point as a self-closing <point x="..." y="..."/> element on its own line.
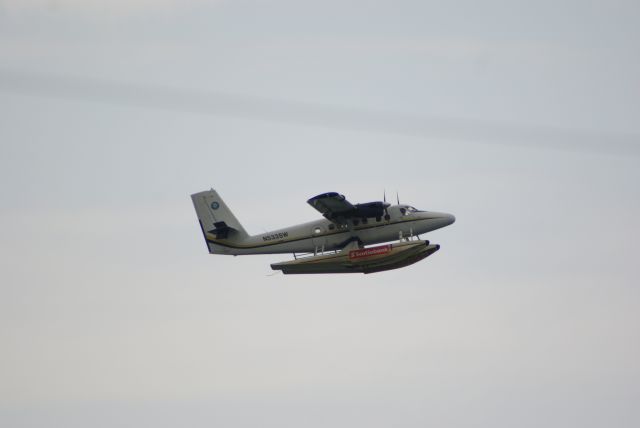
<point x="406" y="210"/>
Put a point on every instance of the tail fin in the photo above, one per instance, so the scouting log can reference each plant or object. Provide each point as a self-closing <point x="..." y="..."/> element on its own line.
<point x="216" y="218"/>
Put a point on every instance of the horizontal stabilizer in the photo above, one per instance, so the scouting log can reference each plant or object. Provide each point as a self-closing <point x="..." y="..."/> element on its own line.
<point x="221" y="230"/>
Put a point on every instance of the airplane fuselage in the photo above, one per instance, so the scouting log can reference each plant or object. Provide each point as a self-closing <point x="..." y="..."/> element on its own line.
<point x="324" y="235"/>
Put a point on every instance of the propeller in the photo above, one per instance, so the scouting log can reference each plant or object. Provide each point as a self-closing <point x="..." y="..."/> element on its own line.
<point x="397" y="197"/>
<point x="385" y="205"/>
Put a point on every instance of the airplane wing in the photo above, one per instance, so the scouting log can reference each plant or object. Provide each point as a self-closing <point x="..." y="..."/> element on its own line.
<point x="335" y="207"/>
<point x="332" y="205"/>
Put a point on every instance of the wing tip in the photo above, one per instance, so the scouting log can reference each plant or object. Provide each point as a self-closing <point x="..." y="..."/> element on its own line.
<point x="326" y="195"/>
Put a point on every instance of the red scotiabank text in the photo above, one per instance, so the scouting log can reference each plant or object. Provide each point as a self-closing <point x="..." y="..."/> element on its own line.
<point x="366" y="252"/>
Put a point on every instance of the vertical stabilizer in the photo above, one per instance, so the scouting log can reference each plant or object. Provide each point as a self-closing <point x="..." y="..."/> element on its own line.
<point x="216" y="218"/>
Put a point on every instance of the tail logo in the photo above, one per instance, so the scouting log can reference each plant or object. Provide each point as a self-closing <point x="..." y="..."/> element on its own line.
<point x="215" y="205"/>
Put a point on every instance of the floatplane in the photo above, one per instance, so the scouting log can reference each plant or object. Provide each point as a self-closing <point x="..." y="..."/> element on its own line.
<point x="344" y="241"/>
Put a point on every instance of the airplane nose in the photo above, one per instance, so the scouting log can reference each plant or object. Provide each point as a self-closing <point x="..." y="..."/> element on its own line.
<point x="451" y="219"/>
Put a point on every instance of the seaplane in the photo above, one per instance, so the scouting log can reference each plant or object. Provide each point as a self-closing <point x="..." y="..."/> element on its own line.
<point x="345" y="240"/>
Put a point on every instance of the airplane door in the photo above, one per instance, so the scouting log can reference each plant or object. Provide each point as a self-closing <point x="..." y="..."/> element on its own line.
<point x="319" y="237"/>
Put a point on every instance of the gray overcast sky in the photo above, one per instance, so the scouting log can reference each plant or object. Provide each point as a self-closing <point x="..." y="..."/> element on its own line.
<point x="113" y="314"/>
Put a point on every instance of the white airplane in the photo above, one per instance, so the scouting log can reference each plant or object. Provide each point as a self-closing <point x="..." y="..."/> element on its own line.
<point x="335" y="244"/>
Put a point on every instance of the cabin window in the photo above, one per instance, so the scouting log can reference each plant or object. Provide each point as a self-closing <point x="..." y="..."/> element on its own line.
<point x="317" y="230"/>
<point x="356" y="222"/>
<point x="403" y="211"/>
<point x="332" y="226"/>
